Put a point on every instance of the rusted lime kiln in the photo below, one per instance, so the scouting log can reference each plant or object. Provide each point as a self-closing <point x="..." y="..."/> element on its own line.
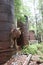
<point x="6" y="24"/>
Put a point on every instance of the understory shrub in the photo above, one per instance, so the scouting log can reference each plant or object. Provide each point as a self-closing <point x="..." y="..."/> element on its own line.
<point x="33" y="49"/>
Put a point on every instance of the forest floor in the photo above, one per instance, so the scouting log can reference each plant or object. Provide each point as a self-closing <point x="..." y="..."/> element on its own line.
<point x="32" y="55"/>
<point x="25" y="60"/>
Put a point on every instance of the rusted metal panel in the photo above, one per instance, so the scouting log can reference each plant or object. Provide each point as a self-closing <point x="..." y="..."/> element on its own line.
<point x="6" y="24"/>
<point x="3" y="17"/>
<point x="4" y="35"/>
<point x="4" y="56"/>
<point x="24" y="31"/>
<point x="25" y="35"/>
<point x="31" y="35"/>
<point x="4" y="45"/>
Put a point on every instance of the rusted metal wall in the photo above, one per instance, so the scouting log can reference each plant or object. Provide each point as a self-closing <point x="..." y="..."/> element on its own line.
<point x="32" y="35"/>
<point x="24" y="31"/>
<point x="6" y="24"/>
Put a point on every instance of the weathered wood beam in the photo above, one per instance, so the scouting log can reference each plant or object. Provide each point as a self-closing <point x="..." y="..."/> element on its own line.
<point x="27" y="60"/>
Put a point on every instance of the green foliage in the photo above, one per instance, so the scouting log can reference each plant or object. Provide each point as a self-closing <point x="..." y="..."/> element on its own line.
<point x="41" y="58"/>
<point x="18" y="8"/>
<point x="26" y="10"/>
<point x="39" y="46"/>
<point x="33" y="49"/>
<point x="21" y="10"/>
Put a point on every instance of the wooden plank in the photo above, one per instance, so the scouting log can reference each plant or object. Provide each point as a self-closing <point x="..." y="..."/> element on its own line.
<point x="27" y="60"/>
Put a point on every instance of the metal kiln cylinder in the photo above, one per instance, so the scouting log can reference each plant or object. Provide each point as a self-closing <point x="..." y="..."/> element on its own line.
<point x="6" y="24"/>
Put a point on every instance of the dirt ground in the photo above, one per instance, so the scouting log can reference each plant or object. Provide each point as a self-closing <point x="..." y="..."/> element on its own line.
<point x="20" y="60"/>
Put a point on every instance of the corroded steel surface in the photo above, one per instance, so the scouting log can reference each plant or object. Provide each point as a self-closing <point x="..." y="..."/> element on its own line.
<point x="24" y="34"/>
<point x="6" y="24"/>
